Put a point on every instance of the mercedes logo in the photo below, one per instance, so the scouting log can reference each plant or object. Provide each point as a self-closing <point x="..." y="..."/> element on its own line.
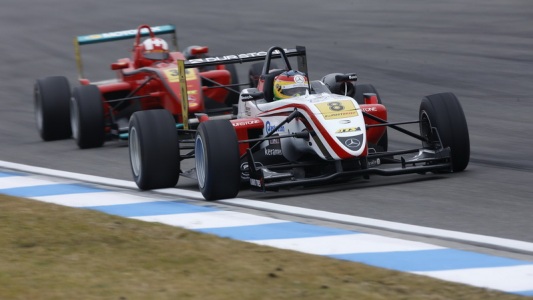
<point x="352" y="143"/>
<point x="299" y="79"/>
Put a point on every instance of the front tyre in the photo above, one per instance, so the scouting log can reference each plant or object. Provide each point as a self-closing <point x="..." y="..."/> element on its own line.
<point x="443" y="123"/>
<point x="217" y="160"/>
<point x="154" y="149"/>
<point x="51" y="106"/>
<point x="87" y="117"/>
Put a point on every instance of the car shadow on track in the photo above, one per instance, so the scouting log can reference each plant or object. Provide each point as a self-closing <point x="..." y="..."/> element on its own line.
<point x="339" y="186"/>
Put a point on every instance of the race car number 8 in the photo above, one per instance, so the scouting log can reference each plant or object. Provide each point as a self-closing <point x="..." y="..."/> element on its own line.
<point x="337" y="109"/>
<point x="335" y="106"/>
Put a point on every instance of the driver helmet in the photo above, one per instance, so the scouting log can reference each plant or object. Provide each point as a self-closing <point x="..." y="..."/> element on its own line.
<point x="155" y="48"/>
<point x="290" y="84"/>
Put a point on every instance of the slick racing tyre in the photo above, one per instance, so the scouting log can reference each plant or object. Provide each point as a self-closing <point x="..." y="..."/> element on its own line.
<point x="154" y="149"/>
<point x="217" y="160"/>
<point x="443" y="122"/>
<point x="233" y="97"/>
<point x="360" y="91"/>
<point x="87" y="117"/>
<point x="51" y="106"/>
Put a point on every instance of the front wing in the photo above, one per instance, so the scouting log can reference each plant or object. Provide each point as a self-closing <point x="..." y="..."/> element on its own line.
<point x="265" y="179"/>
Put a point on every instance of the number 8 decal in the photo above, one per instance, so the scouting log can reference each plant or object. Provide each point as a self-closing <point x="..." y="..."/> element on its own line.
<point x="335" y="106"/>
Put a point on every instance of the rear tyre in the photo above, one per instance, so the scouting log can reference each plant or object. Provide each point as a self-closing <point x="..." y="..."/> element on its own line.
<point x="154" y="149"/>
<point x="217" y="160"/>
<point x="232" y="98"/>
<point x="87" y="117"/>
<point x="443" y="123"/>
<point x="360" y="90"/>
<point x="51" y="106"/>
<point x="255" y="72"/>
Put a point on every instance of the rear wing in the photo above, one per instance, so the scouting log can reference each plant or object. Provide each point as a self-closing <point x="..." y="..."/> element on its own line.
<point x="299" y="52"/>
<point x="81" y="40"/>
<point x="273" y="52"/>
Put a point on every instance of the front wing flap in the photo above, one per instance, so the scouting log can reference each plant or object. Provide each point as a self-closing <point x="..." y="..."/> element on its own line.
<point x="263" y="179"/>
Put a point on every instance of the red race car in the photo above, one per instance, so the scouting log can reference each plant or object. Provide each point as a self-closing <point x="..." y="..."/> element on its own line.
<point x="95" y="112"/>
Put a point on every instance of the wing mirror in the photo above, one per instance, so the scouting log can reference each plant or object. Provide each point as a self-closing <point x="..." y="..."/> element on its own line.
<point x="346" y="77"/>
<point x="252" y="96"/>
<point x="199" y="50"/>
<point x="119" y="66"/>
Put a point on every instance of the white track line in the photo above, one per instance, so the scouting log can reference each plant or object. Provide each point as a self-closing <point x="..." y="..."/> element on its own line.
<point x="214" y="219"/>
<point x="343" y="244"/>
<point x="94" y="199"/>
<point x="484" y="277"/>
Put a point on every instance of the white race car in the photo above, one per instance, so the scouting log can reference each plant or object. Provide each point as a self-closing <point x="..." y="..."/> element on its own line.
<point x="332" y="129"/>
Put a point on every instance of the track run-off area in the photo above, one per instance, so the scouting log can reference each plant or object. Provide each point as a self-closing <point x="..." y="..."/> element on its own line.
<point x="467" y="267"/>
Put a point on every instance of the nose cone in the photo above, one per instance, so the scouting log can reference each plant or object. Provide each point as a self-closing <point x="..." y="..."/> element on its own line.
<point x="353" y="143"/>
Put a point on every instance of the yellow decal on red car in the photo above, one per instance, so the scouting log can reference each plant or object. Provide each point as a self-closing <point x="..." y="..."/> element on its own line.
<point x="173" y="75"/>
